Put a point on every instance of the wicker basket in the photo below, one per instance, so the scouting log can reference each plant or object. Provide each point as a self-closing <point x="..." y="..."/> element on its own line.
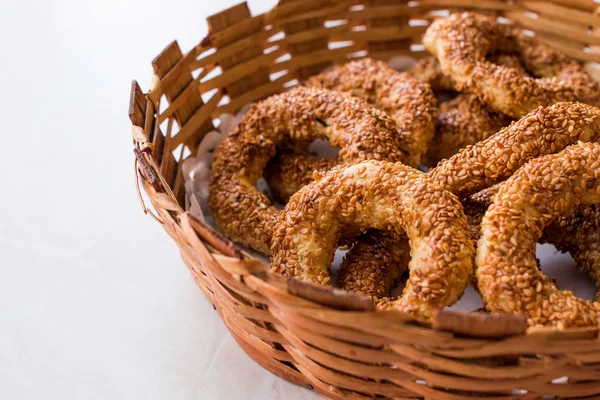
<point x="321" y="338"/>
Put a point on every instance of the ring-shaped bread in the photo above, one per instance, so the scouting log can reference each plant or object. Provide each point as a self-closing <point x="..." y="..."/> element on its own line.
<point x="577" y="234"/>
<point x="464" y="119"/>
<point x="384" y="196"/>
<point x="508" y="276"/>
<point x="461" y="43"/>
<point x="408" y="101"/>
<point x="374" y="263"/>
<point x="543" y="131"/>
<point x="244" y="214"/>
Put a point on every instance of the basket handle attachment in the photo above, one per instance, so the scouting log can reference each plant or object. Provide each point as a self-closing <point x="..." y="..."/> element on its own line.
<point x="148" y="174"/>
<point x="138" y="107"/>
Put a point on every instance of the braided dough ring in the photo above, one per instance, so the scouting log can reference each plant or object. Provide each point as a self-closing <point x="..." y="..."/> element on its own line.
<point x="409" y="102"/>
<point x="247" y="216"/>
<point x="384" y="196"/>
<point x="461" y="43"/>
<point x="508" y="276"/>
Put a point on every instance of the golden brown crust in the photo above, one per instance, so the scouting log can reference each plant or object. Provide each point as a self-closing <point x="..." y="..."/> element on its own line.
<point x="384" y="196"/>
<point x="543" y="131"/>
<point x="374" y="264"/>
<point x="247" y="216"/>
<point x="579" y="235"/>
<point x="408" y="101"/>
<point x="461" y="43"/>
<point x="463" y="120"/>
<point x="412" y="105"/>
<point x="290" y="170"/>
<point x="428" y="70"/>
<point x="508" y="276"/>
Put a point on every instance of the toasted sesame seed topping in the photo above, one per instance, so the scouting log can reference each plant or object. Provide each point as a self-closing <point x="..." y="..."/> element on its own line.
<point x="408" y="101"/>
<point x="411" y="205"/>
<point x="542" y="191"/>
<point x="543" y="131"/>
<point x="461" y="43"/>
<point x="361" y="131"/>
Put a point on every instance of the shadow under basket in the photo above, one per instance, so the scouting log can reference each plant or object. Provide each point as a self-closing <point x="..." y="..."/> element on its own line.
<point x="324" y="339"/>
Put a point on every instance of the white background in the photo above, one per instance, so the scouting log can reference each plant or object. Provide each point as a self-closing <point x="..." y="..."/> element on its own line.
<point x="94" y="300"/>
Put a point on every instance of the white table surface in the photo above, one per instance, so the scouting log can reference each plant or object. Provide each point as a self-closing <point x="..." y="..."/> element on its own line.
<point x="94" y="300"/>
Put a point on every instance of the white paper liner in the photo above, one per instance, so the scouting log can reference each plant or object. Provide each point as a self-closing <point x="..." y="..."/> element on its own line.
<point x="196" y="172"/>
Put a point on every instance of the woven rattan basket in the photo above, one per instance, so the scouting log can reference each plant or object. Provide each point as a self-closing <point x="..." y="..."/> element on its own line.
<point x="332" y="342"/>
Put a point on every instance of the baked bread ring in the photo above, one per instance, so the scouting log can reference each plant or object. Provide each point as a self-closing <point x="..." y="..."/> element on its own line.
<point x="464" y="119"/>
<point x="374" y="264"/>
<point x="461" y="43"/>
<point x="429" y="70"/>
<point x="577" y="234"/>
<point x="507" y="272"/>
<point x="384" y="196"/>
<point x="290" y="170"/>
<point x="543" y="131"/>
<point x="361" y="132"/>
<point x="410" y="103"/>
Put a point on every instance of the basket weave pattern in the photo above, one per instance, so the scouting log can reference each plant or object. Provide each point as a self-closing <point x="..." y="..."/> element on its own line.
<point x="321" y="338"/>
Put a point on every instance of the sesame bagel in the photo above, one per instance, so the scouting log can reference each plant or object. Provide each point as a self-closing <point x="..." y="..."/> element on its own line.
<point x="577" y="234"/>
<point x="461" y="43"/>
<point x="464" y="119"/>
<point x="508" y="276"/>
<point x="477" y="168"/>
<point x="543" y="131"/>
<point x="408" y="101"/>
<point x="383" y="196"/>
<point x="247" y="216"/>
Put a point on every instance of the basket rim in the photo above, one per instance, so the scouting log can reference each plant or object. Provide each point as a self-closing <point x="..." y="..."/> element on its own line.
<point x="164" y="200"/>
<point x="341" y="330"/>
<point x="244" y="264"/>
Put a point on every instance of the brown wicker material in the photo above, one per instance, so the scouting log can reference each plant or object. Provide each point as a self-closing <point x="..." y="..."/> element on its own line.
<point x="321" y="338"/>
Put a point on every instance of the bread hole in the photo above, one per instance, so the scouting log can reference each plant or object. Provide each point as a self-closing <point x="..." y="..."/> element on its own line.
<point x="561" y="268"/>
<point x="322" y="149"/>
